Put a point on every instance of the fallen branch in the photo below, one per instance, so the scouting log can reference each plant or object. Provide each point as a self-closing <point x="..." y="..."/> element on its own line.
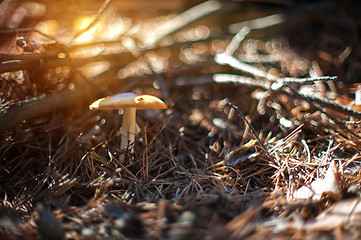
<point x="35" y="107"/>
<point x="121" y="59"/>
<point x="183" y="20"/>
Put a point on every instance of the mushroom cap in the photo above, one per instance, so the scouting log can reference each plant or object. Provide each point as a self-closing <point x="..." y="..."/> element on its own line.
<point x="128" y="100"/>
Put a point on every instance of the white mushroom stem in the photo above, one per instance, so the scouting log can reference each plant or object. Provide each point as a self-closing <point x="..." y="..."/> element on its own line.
<point x="129" y="127"/>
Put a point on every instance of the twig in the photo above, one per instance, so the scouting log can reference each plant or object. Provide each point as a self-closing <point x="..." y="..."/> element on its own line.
<point x="224" y="78"/>
<point x="340" y="124"/>
<point x="95" y="20"/>
<point x="120" y="58"/>
<point x="308" y="80"/>
<point x="353" y="122"/>
<point x="236" y="40"/>
<point x="279" y="18"/>
<point x="334" y="106"/>
<point x="224" y="58"/>
<point x="43" y="105"/>
<point x="183" y="20"/>
<point x="259" y="58"/>
<point x="253" y="131"/>
<point x="230" y="78"/>
<point x="26" y="56"/>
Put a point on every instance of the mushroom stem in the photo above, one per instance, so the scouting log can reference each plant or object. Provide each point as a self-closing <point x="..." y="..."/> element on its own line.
<point x="129" y="127"/>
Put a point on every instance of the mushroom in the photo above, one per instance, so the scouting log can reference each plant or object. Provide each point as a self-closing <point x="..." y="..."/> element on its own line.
<point x="129" y="102"/>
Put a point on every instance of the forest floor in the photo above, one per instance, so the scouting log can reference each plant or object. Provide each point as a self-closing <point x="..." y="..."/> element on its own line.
<point x="260" y="137"/>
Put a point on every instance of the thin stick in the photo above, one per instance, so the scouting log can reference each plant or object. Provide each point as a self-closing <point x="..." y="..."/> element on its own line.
<point x="26" y="56"/>
<point x="253" y="131"/>
<point x="95" y="20"/>
<point x="237" y="39"/>
<point x="228" y="78"/>
<point x="334" y="106"/>
<point x="279" y="18"/>
<point x="121" y="59"/>
<point x="308" y="80"/>
<point x="183" y="20"/>
<point x="231" y="78"/>
<point x="326" y="113"/>
<point x="225" y="58"/>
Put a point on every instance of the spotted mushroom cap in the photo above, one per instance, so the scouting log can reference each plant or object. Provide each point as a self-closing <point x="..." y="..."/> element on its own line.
<point x="125" y="100"/>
